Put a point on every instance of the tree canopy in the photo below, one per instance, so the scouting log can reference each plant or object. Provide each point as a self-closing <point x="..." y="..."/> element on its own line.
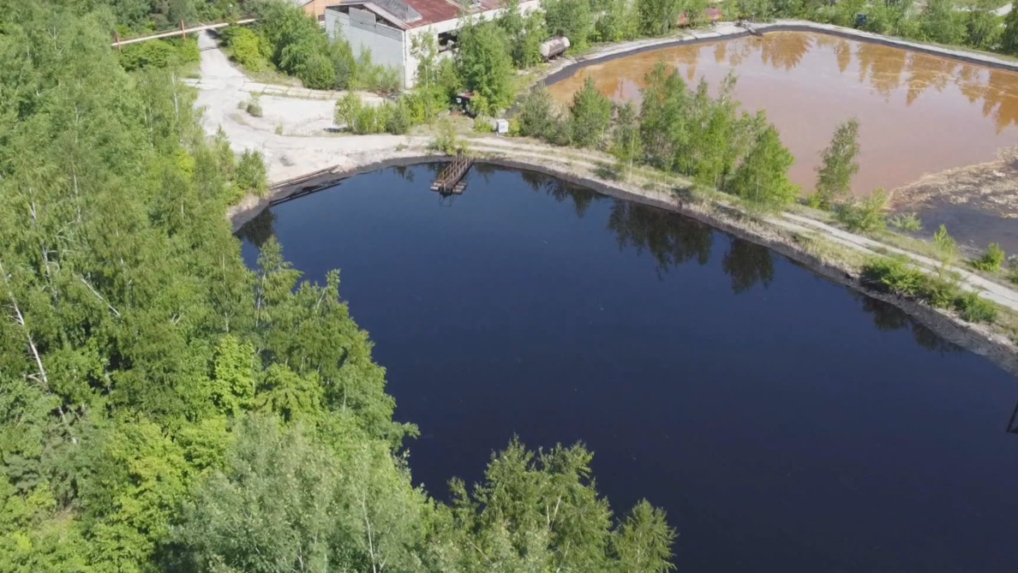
<point x="166" y="408"/>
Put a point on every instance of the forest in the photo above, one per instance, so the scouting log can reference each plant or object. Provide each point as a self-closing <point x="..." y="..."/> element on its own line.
<point x="164" y="408"/>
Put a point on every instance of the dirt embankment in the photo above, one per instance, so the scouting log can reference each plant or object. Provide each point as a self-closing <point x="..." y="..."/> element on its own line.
<point x="978" y="203"/>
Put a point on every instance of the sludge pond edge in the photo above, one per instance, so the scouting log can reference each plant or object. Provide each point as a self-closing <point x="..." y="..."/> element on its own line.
<point x="971" y="337"/>
<point x="987" y="60"/>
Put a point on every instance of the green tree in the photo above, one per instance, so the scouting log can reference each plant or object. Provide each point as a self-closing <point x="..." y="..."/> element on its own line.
<point x="838" y="164"/>
<point x="1009" y="37"/>
<point x="525" y="33"/>
<point x="573" y="19"/>
<point x="626" y="142"/>
<point x="537" y="115"/>
<point x="284" y="501"/>
<point x="941" y="23"/>
<point x="251" y="174"/>
<point x="591" y="114"/>
<point x="983" y="25"/>
<point x="658" y="17"/>
<point x="762" y="178"/>
<point x="485" y="63"/>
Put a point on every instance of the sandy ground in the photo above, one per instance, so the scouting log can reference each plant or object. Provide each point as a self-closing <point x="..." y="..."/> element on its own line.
<point x="306" y="144"/>
<point x="288" y="156"/>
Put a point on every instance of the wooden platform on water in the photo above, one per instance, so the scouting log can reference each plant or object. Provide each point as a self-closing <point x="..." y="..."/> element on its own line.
<point x="451" y="180"/>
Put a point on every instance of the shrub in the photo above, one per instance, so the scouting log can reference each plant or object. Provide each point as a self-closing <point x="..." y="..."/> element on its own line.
<point x="484" y="124"/>
<point x="247" y="48"/>
<point x="992" y="259"/>
<point x="447" y="140"/>
<point x="909" y="222"/>
<point x="894" y="275"/>
<point x="974" y="308"/>
<point x="159" y="54"/>
<point x="251" y="174"/>
<point x="865" y="215"/>
<point x="254" y="107"/>
<point x="938" y="291"/>
<point x="946" y="245"/>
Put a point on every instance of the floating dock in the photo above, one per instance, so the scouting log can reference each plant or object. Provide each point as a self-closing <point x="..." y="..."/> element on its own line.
<point x="451" y="180"/>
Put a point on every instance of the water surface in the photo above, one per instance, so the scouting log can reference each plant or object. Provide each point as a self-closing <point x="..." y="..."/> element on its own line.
<point x="919" y="114"/>
<point x="784" y="422"/>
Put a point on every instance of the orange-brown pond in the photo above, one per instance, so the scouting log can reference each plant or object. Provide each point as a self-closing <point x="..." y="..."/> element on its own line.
<point x="919" y="114"/>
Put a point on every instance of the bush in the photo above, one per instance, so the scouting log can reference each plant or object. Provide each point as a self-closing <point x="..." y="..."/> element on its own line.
<point x="484" y="124"/>
<point x="946" y="245"/>
<point x="251" y="174"/>
<point x="159" y="54"/>
<point x="992" y="260"/>
<point x="894" y="275"/>
<point x="909" y="222"/>
<point x="866" y="215"/>
<point x="447" y="140"/>
<point x="247" y="48"/>
<point x="254" y="107"/>
<point x="974" y="308"/>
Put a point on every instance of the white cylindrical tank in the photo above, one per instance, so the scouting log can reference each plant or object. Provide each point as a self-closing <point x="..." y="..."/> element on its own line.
<point x="554" y="47"/>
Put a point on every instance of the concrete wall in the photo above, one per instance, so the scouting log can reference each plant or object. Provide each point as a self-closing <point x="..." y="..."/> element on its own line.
<point x="361" y="29"/>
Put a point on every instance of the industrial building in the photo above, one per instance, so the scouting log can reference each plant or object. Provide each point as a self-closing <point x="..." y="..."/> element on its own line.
<point x="387" y="27"/>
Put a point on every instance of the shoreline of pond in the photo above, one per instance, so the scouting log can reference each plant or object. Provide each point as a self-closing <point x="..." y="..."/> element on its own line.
<point x="975" y="338"/>
<point x="729" y="31"/>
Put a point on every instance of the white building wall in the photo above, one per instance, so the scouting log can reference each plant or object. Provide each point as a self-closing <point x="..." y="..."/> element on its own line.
<point x="362" y="32"/>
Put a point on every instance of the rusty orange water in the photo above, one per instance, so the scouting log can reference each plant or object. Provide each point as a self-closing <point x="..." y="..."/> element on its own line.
<point x="919" y="114"/>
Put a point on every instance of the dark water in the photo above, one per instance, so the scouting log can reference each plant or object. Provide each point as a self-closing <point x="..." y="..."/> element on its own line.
<point x="783" y="421"/>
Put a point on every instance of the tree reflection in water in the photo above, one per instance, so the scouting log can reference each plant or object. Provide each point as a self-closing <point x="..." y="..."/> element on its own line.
<point x="669" y="238"/>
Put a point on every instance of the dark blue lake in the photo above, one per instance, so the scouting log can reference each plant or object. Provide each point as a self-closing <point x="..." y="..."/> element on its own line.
<point x="785" y="422"/>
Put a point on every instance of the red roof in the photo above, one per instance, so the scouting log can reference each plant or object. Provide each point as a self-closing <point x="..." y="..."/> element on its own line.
<point x="433" y="11"/>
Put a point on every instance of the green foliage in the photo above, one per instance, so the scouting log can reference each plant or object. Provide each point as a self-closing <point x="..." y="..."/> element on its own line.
<point x="626" y="144"/>
<point x="896" y="275"/>
<point x="573" y="19"/>
<point x="537" y="115"/>
<point x="1009" y="37"/>
<point x="946" y="245"/>
<point x="992" y="260"/>
<point x="387" y="117"/>
<point x="866" y="215"/>
<point x="939" y="22"/>
<point x="618" y="22"/>
<point x="542" y="513"/>
<point x="762" y="178"/>
<point x="163" y="407"/>
<point x="974" y="308"/>
<point x="344" y="65"/>
<point x="983" y="26"/>
<point x="254" y="107"/>
<point x="374" y="77"/>
<point x="909" y="222"/>
<point x="159" y="54"/>
<point x="251" y="174"/>
<point x="286" y="501"/>
<point x="485" y="64"/>
<point x="447" y="139"/>
<point x="591" y="113"/>
<point x="838" y="164"/>
<point x="658" y="17"/>
<point x="247" y="48"/>
<point x="525" y="33"/>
